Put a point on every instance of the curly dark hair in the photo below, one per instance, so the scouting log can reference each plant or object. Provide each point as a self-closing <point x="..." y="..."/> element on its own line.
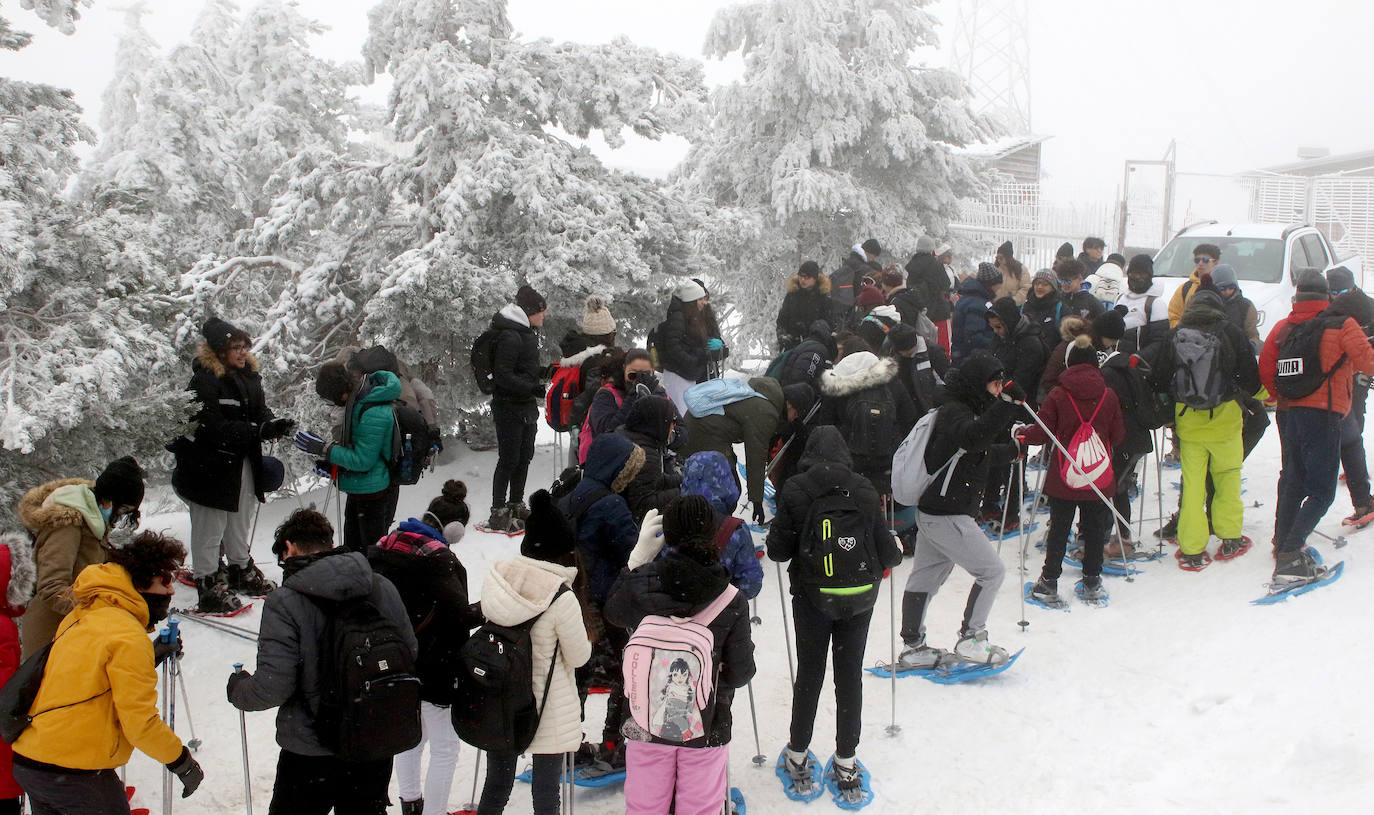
<point x="689" y="524"/>
<point x="309" y="530"/>
<point x="149" y="556"/>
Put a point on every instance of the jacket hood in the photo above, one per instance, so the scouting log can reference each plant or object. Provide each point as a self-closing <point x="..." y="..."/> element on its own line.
<point x="651" y="417"/>
<point x="206" y="359"/>
<point x="1204" y="312"/>
<point x="613" y="460"/>
<point x="517" y="590"/>
<point x="37" y="513"/>
<point x="770" y="389"/>
<point x="677" y="585"/>
<point x="511" y="316"/>
<point x="825" y="445"/>
<point x="80" y="498"/>
<point x="819" y="330"/>
<point x="1071" y="326"/>
<point x="338" y="575"/>
<point x="857" y="372"/>
<point x="1006" y="310"/>
<point x="385" y="387"/>
<point x="708" y="474"/>
<point x="20" y="576"/>
<point x="1353" y="303"/>
<point x="822" y="284"/>
<point x="971" y="286"/>
<point x="580" y="357"/>
<point x="108" y="584"/>
<point x="1083" y="382"/>
<point x="968" y="382"/>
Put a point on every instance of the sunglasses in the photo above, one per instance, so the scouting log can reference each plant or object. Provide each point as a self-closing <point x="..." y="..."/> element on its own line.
<point x="1226" y="288"/>
<point x="1202" y="261"/>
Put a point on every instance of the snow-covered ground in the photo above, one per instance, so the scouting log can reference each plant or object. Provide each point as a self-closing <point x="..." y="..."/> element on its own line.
<point x="1181" y="696"/>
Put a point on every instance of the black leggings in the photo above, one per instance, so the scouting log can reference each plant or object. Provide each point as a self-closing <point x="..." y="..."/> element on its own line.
<point x="501" y="777"/>
<point x="515" y="431"/>
<point x="367" y="518"/>
<point x="817" y="634"/>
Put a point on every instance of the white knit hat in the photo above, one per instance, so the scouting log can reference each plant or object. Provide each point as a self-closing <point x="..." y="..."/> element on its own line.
<point x="596" y="318"/>
<point x="689" y="292"/>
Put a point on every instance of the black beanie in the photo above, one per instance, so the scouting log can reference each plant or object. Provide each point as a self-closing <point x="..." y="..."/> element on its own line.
<point x="1006" y="310"/>
<point x="1081" y="352"/>
<point x="1005" y="249"/>
<point x="1340" y="279"/>
<point x="1112" y="324"/>
<point x="902" y="337"/>
<point x="121" y="482"/>
<point x="218" y="333"/>
<point x="1065" y="250"/>
<point x="800" y="396"/>
<point x="1312" y="281"/>
<point x="1141" y="263"/>
<point x="530" y="301"/>
<point x="449" y="506"/>
<point x="809" y="268"/>
<point x="872" y="247"/>
<point x="548" y="534"/>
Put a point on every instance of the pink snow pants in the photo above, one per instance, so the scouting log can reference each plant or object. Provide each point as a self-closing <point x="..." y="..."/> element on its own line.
<point x="652" y="771"/>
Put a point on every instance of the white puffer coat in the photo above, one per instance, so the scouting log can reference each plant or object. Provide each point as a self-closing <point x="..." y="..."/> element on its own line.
<point x="513" y="592"/>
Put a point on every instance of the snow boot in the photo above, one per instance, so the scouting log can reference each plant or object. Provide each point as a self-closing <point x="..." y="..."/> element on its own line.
<point x="1192" y="563"/>
<point x="248" y="580"/>
<point x="1232" y="548"/>
<point x="1363" y="516"/>
<point x="976" y="648"/>
<point x="214" y="597"/>
<point x="519" y="511"/>
<point x="503" y="521"/>
<point x="918" y="656"/>
<point x="1170" y="530"/>
<point x="848" y="783"/>
<point x="800" y="774"/>
<point x="416" y="807"/>
<point x="1046" y="591"/>
<point x="1091" y="592"/>
<point x="1295" y="569"/>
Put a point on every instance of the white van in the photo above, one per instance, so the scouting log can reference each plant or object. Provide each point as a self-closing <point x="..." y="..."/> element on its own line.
<point x="1265" y="256"/>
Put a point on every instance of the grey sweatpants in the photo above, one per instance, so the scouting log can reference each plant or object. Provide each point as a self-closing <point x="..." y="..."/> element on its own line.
<point x="213" y="528"/>
<point x="943" y="542"/>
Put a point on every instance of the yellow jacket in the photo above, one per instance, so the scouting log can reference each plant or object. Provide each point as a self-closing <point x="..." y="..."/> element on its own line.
<point x="98" y="700"/>
<point x="1178" y="302"/>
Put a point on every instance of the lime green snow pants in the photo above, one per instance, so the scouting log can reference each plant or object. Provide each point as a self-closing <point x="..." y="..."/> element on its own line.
<point x="1209" y="441"/>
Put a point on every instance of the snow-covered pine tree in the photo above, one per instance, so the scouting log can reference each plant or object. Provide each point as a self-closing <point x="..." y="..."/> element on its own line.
<point x="84" y="354"/>
<point x="834" y="134"/>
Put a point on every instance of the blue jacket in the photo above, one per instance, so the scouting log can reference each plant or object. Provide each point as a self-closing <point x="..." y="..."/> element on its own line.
<point x="969" y="329"/>
<point x="364" y="454"/>
<point x="606" y="531"/>
<point x="708" y="474"/>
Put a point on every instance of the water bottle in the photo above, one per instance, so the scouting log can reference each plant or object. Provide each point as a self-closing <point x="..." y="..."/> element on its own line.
<point x="408" y="461"/>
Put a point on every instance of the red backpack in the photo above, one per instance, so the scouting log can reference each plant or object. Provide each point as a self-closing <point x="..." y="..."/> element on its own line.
<point x="1089" y="452"/>
<point x="564" y="388"/>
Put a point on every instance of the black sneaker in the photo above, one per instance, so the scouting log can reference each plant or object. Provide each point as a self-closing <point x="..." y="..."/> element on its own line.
<point x="248" y="580"/>
<point x="1170" y="530"/>
<point x="214" y="597"/>
<point x="1296" y="568"/>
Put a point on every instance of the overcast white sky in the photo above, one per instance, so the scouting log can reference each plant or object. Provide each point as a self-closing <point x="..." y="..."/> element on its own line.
<point x="1240" y="84"/>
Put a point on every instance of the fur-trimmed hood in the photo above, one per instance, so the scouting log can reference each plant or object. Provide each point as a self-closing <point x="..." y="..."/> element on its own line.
<point x="35" y="516"/>
<point x="1070" y="327"/>
<point x="822" y="283"/>
<point x="207" y="359"/>
<point x="23" y="573"/>
<point x="576" y="360"/>
<point x="858" y="372"/>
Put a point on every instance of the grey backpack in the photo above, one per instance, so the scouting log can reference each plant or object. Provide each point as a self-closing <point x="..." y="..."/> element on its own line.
<point x="1200" y="375"/>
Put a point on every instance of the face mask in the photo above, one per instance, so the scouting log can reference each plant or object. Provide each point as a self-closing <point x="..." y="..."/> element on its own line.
<point x="158" y="605"/>
<point x="107" y="513"/>
<point x="1138" y="285"/>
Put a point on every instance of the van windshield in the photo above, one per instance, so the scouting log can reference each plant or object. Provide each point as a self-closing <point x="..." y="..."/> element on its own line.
<point x="1258" y="259"/>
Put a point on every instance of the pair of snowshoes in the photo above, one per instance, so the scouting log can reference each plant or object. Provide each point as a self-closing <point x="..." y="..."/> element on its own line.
<point x="1045" y="593"/>
<point x="849" y="788"/>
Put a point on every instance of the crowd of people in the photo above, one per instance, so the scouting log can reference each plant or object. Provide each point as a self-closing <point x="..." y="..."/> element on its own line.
<point x="635" y="571"/>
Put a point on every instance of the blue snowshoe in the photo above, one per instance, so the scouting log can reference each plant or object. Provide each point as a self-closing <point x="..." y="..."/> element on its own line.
<point x="801" y="783"/>
<point x="849" y="789"/>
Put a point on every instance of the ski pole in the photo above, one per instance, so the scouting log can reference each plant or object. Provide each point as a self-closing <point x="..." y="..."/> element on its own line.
<point x="891" y="511"/>
<point x="1006" y="503"/>
<point x="169" y="708"/>
<point x="1065" y="453"/>
<point x="194" y="744"/>
<point x="1034" y="510"/>
<point x="1339" y="542"/>
<point x="1021" y="466"/>
<point x="565" y="785"/>
<point x="759" y="757"/>
<point x="476" y="771"/>
<point x="223" y="627"/>
<point x="786" y="630"/>
<point x="243" y="739"/>
<point x="1159" y="481"/>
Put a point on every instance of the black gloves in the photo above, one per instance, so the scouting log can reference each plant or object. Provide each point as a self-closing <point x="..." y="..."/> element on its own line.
<point x="1013" y="393"/>
<point x="312" y="444"/>
<point x="234" y="679"/>
<point x="642" y="390"/>
<point x="759" y="518"/>
<point x="163" y="649"/>
<point x="276" y="429"/>
<point x="189" y="771"/>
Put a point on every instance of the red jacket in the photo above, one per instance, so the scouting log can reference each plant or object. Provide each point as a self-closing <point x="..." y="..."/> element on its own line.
<point x="1080" y="386"/>
<point x="1348" y="340"/>
<point x="17" y="577"/>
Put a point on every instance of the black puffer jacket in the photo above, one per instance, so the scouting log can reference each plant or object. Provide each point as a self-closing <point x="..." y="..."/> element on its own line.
<point x="515" y="362"/>
<point x="908" y="303"/>
<point x="1081" y="304"/>
<point x="801" y="308"/>
<point x="679" y="586"/>
<point x="825" y="466"/>
<point x="1117" y="374"/>
<point x="434" y="588"/>
<point x="1043" y="313"/>
<point x="679" y="349"/>
<point x="209" y="465"/>
<point x="853" y="379"/>
<point x="926" y="276"/>
<point x="973" y="420"/>
<point x="812" y="357"/>
<point x="1021" y="351"/>
<point x="649" y="425"/>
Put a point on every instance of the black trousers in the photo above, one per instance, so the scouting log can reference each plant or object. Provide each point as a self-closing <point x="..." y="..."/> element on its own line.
<point x="1095" y="521"/>
<point x="78" y="792"/>
<point x="1123" y="465"/>
<point x="516" y="427"/>
<point x="501" y="777"/>
<point x="817" y="634"/>
<point x="367" y="518"/>
<point x="314" y="785"/>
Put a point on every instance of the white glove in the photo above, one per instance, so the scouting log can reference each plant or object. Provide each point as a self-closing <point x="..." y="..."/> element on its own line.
<point x="650" y="540"/>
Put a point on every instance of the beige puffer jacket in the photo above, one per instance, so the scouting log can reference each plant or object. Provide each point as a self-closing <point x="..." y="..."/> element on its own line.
<point x="64" y="545"/>
<point x="513" y="592"/>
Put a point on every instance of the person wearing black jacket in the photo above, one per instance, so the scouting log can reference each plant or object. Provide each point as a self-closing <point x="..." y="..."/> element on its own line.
<point x="433" y="585"/>
<point x="926" y="276"/>
<point x="682" y="581"/>
<point x="219" y="467"/>
<point x="1119" y="371"/>
<point x="514" y="407"/>
<point x="1042" y="306"/>
<point x="857" y="385"/>
<point x="823" y="620"/>
<point x="907" y="301"/>
<point x="687" y="343"/>
<point x="586" y="349"/>
<point x="807" y="300"/>
<point x="921" y="367"/>
<point x="969" y="431"/>
<point x="1023" y="355"/>
<point x="812" y="357"/>
<point x="1076" y="300"/>
<point x="652" y="425"/>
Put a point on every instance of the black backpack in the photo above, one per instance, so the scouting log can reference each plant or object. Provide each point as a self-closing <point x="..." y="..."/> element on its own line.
<point x="370" y="696"/>
<point x="483" y="360"/>
<point x="837" y="557"/>
<point x="1299" y="369"/>
<point x="413" y="444"/>
<point x="1146" y="406"/>
<point x="651" y="344"/>
<point x="494" y="707"/>
<point x="871" y="423"/>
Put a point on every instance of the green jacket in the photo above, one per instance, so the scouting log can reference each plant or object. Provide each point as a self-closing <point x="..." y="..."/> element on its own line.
<point x="363" y="454"/>
<point x="752" y="422"/>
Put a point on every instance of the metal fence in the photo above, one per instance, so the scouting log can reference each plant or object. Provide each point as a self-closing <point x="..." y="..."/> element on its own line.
<point x="1016" y="212"/>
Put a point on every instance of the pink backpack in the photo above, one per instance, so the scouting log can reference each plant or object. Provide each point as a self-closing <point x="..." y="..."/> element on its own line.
<point x="1090" y="453"/>
<point x="670" y="673"/>
<point x="584" y="438"/>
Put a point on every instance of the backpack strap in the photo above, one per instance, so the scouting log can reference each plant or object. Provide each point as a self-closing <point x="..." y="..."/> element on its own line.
<point x="707" y="615"/>
<point x="724" y="532"/>
<point x="592" y="498"/>
<point x="1150" y="307"/>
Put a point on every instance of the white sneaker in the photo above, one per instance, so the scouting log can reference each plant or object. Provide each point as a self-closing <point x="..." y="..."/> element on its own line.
<point x="919" y="657"/>
<point x="976" y="648"/>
